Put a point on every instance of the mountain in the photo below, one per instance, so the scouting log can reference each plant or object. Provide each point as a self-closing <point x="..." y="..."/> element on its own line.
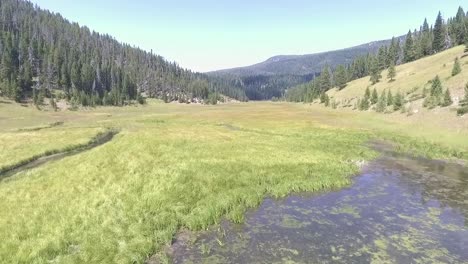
<point x="271" y="78"/>
<point x="304" y="64"/>
<point x="372" y="69"/>
<point x="43" y="55"/>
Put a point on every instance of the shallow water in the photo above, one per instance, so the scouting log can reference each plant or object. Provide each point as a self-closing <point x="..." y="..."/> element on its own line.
<point x="97" y="141"/>
<point x="399" y="210"/>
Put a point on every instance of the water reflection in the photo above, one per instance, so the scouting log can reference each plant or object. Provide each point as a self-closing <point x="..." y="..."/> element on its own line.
<point x="399" y="210"/>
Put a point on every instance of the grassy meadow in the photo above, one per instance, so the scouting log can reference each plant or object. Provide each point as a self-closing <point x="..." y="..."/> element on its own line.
<point x="23" y="146"/>
<point x="439" y="125"/>
<point x="412" y="77"/>
<point x="175" y="166"/>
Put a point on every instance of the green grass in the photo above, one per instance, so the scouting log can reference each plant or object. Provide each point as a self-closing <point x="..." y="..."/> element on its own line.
<point x="18" y="148"/>
<point x="433" y="135"/>
<point x="411" y="81"/>
<point x="171" y="167"/>
<point x="414" y="76"/>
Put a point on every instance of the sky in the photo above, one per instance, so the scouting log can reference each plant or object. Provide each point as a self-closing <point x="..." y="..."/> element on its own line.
<point x="207" y="35"/>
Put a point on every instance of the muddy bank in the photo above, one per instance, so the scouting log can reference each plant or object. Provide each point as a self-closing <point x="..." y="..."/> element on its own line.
<point x="53" y="155"/>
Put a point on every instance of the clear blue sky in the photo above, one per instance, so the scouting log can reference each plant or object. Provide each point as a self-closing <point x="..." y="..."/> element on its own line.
<point x="207" y="35"/>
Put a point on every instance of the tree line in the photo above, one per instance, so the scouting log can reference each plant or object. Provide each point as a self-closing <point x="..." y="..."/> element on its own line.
<point x="45" y="55"/>
<point x="386" y="102"/>
<point x="425" y="41"/>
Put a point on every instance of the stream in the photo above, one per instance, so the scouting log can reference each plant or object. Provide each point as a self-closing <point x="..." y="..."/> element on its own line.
<point x="400" y="209"/>
<point x="98" y="140"/>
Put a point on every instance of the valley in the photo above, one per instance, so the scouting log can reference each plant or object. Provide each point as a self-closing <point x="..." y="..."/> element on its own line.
<point x="111" y="153"/>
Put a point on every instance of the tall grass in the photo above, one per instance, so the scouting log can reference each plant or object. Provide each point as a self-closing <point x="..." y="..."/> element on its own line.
<point x="170" y="167"/>
<point x="19" y="148"/>
<point x="122" y="201"/>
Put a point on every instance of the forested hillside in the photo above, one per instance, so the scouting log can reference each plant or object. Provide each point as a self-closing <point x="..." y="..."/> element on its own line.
<point x="305" y="64"/>
<point x="271" y="78"/>
<point x="434" y="84"/>
<point x="45" y="55"/>
<point x="428" y="40"/>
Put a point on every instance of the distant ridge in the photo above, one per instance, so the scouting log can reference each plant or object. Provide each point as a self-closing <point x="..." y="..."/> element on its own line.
<point x="304" y="64"/>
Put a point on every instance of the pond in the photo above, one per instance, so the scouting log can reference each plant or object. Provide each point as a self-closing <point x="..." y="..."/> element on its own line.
<point x="398" y="210"/>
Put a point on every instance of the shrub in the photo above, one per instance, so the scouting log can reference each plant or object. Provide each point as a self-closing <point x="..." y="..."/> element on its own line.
<point x="462" y="110"/>
<point x="141" y="100"/>
<point x="165" y="98"/>
<point x="213" y="98"/>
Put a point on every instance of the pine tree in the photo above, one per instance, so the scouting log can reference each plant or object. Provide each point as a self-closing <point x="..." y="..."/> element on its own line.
<point x="325" y="79"/>
<point x="382" y="58"/>
<point x="375" y="71"/>
<point x="463" y="109"/>
<point x="382" y="103"/>
<point x="447" y="101"/>
<point x="435" y="95"/>
<point x="438" y="43"/>
<point x="425" y="27"/>
<point x="7" y="67"/>
<point x="417" y="47"/>
<point x="459" y="26"/>
<point x="340" y="77"/>
<point x="324" y="99"/>
<point x="375" y="97"/>
<point x="398" y="102"/>
<point x="367" y="93"/>
<point x="456" y="67"/>
<point x="391" y="72"/>
<point x="408" y="50"/>
<point x="426" y="39"/>
<point x="363" y="104"/>
<point x="43" y="50"/>
<point x="393" y="51"/>
<point x="436" y="88"/>
<point x="389" y="98"/>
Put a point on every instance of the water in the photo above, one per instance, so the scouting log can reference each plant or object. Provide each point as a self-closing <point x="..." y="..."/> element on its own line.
<point x="34" y="163"/>
<point x="399" y="210"/>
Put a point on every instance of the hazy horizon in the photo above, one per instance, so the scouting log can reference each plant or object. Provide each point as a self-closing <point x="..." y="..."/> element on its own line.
<point x="209" y="35"/>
